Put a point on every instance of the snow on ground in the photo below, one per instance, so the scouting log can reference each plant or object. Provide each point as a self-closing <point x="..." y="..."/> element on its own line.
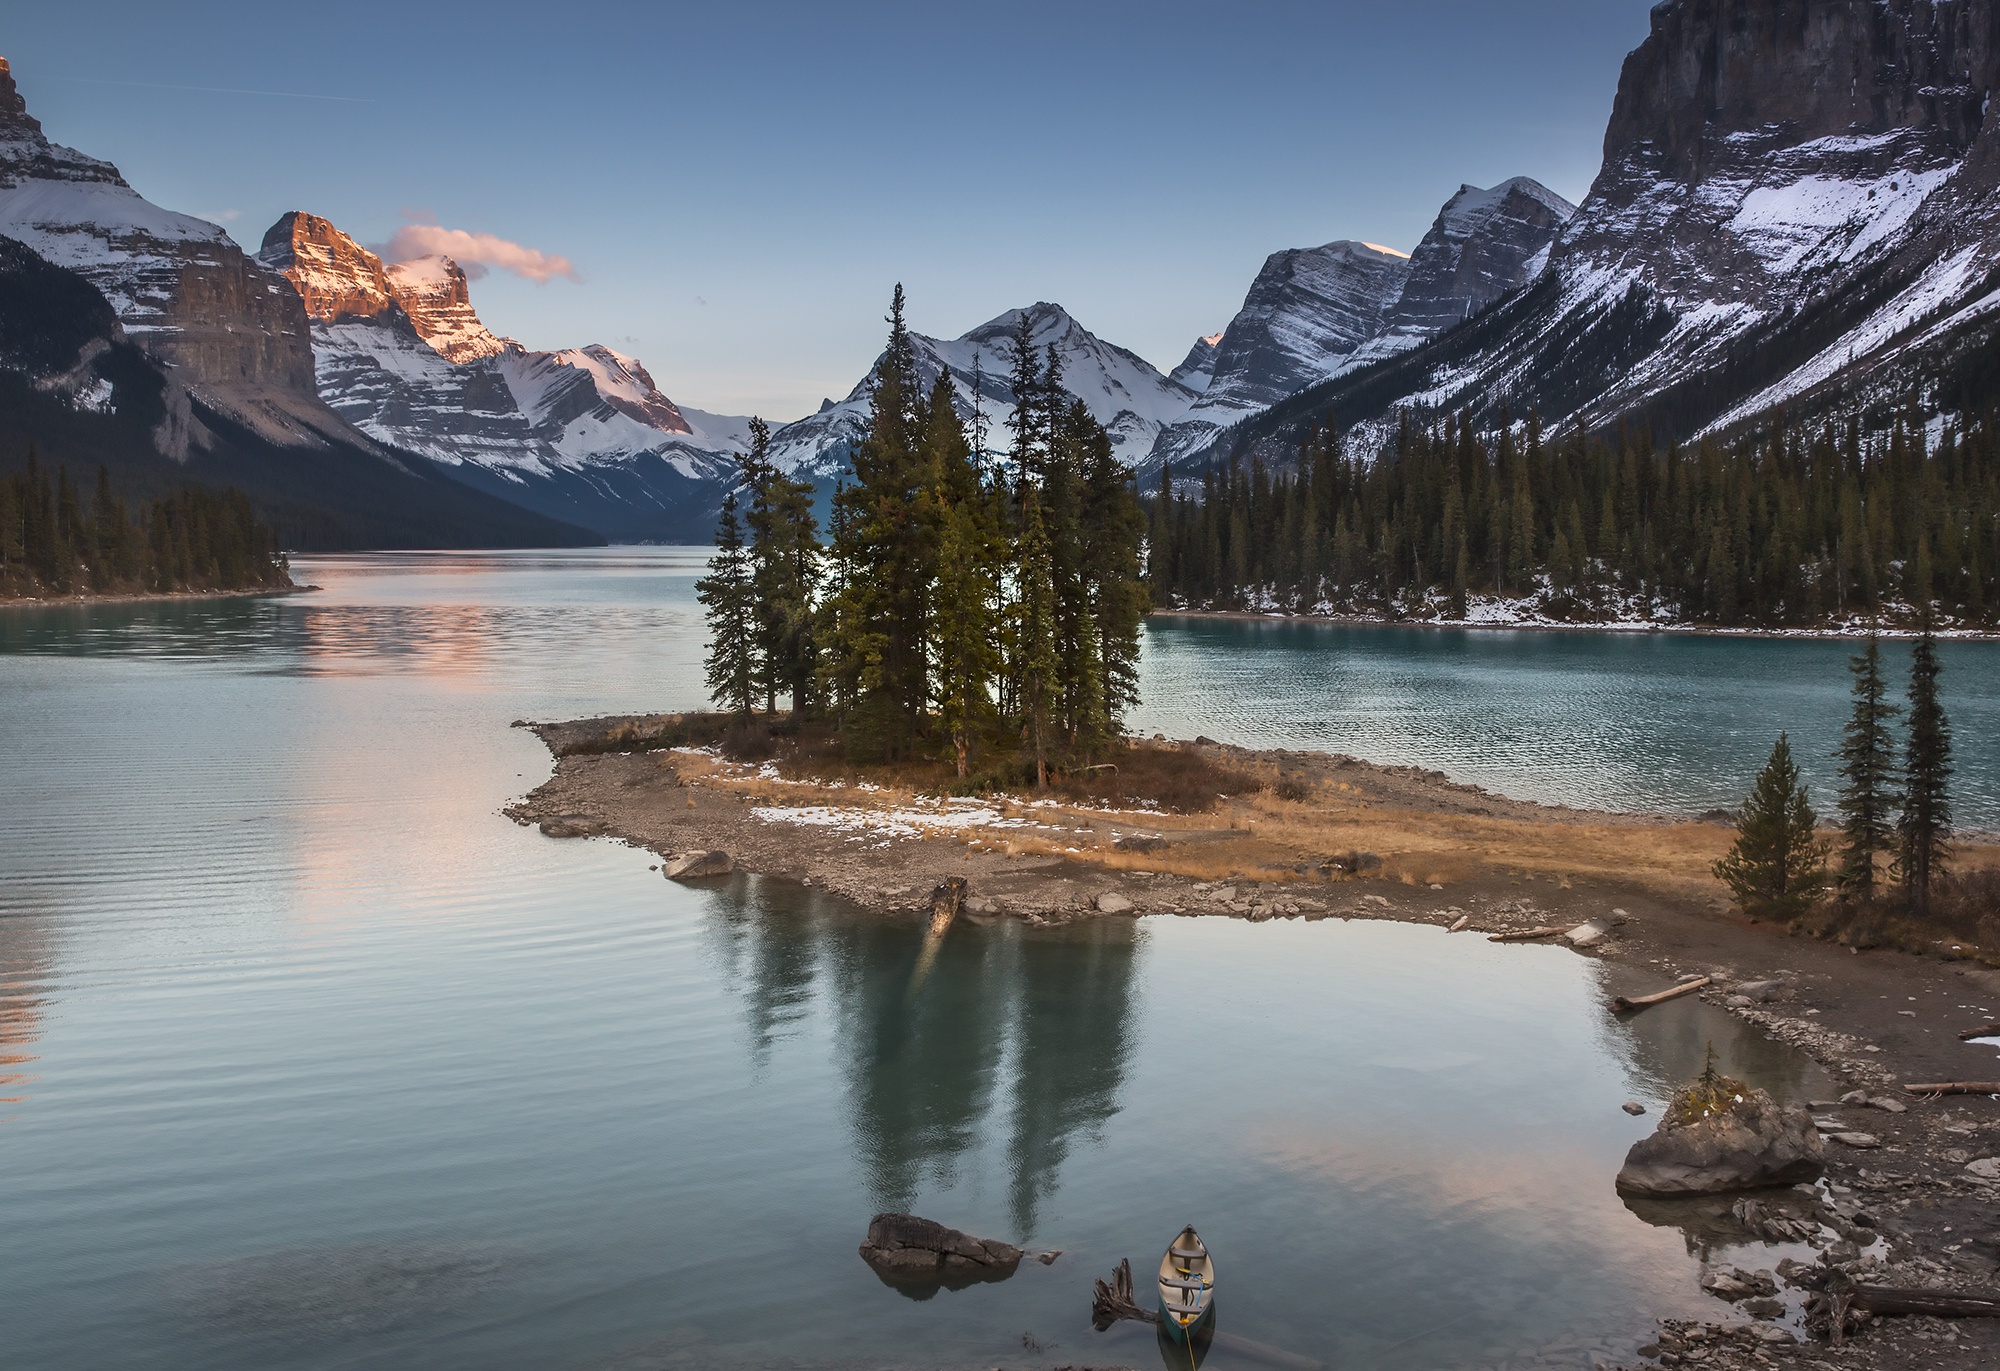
<point x="959" y="818"/>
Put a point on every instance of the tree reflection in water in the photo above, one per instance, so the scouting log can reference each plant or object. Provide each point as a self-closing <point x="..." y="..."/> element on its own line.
<point x="933" y="1042"/>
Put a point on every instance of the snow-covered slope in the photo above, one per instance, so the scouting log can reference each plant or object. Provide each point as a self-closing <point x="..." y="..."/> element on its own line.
<point x="583" y="435"/>
<point x="232" y="331"/>
<point x="1799" y="205"/>
<point x="1127" y="394"/>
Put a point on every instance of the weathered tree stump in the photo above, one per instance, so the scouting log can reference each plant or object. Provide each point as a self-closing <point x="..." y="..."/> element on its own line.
<point x="1113" y="1301"/>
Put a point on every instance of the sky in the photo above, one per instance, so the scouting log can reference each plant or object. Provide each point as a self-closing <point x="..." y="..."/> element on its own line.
<point x="731" y="190"/>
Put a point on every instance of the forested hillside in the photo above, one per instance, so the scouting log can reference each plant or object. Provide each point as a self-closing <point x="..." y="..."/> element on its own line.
<point x="1794" y="528"/>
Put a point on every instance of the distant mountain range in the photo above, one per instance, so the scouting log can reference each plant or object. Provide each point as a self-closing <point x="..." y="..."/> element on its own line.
<point x="1799" y="206"/>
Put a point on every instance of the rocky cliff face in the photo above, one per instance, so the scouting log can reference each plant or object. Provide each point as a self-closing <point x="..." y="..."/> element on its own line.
<point x="1484" y="244"/>
<point x="232" y="331"/>
<point x="1307" y="309"/>
<point x="582" y="435"/>
<point x="433" y="291"/>
<point x="1797" y="207"/>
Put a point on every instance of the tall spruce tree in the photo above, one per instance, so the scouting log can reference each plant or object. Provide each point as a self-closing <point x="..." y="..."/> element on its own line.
<point x="1925" y="823"/>
<point x="1868" y="770"/>
<point x="1777" y="866"/>
<point x="1040" y="685"/>
<point x="785" y="572"/>
<point x="728" y="597"/>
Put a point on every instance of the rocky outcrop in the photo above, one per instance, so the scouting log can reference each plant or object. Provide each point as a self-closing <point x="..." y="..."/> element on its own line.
<point x="908" y="1251"/>
<point x="1754" y="1144"/>
<point x="230" y="329"/>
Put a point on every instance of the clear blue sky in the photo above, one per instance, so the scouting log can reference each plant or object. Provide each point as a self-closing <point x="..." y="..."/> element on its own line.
<point x="738" y="185"/>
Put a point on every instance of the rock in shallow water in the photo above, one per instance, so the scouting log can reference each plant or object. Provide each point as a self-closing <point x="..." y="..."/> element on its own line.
<point x="690" y="866"/>
<point x="907" y="1251"/>
<point x="1757" y="1143"/>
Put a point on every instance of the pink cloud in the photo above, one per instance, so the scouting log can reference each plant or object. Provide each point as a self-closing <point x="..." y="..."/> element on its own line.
<point x="476" y="252"/>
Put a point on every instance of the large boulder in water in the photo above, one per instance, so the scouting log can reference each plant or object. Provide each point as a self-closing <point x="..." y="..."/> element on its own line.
<point x="913" y="1253"/>
<point x="1743" y="1140"/>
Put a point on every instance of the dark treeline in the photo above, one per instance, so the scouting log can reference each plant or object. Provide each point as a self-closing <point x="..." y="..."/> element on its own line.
<point x="962" y="607"/>
<point x="1786" y="528"/>
<point x="54" y="542"/>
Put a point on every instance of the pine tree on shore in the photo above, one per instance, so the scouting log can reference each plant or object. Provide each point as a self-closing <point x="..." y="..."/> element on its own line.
<point x="1040" y="685"/>
<point x="727" y="595"/>
<point x="784" y="555"/>
<point x="1868" y="768"/>
<point x="1925" y="824"/>
<point x="1777" y="866"/>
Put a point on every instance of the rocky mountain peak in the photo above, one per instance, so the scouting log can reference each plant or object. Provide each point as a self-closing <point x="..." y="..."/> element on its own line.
<point x="27" y="154"/>
<point x="433" y="292"/>
<point x="1307" y="309"/>
<point x="1483" y="244"/>
<point x="335" y="276"/>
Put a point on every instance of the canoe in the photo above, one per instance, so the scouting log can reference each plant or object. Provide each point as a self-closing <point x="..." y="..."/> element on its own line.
<point x="1187" y="1286"/>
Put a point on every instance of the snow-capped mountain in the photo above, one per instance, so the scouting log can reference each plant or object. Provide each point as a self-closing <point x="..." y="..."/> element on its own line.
<point x="1126" y="393"/>
<point x="230" y="329"/>
<point x="1799" y="205"/>
<point x="584" y="434"/>
<point x="1316" y="313"/>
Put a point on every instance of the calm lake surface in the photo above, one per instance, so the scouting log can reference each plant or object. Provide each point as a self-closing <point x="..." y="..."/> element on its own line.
<point x="314" y="1060"/>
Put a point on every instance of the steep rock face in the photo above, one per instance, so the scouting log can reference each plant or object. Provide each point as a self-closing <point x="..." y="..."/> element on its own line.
<point x="1126" y="393"/>
<point x="1484" y="244"/>
<point x="582" y="435"/>
<point x="433" y="291"/>
<point x="232" y="330"/>
<point x="1197" y="369"/>
<point x="1308" y="309"/>
<point x="1797" y="206"/>
<point x="373" y="366"/>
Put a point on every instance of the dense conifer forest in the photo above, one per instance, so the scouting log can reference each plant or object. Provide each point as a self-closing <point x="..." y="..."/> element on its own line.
<point x="1790" y="528"/>
<point x="55" y="542"/>
<point x="961" y="608"/>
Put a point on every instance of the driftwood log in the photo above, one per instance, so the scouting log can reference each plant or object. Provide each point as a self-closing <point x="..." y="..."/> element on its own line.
<point x="1955" y="1088"/>
<point x="1991" y="1030"/>
<point x="946" y="901"/>
<point x="1527" y="935"/>
<point x="1938" y="1304"/>
<point x="1626" y="1005"/>
<point x="1459" y="923"/>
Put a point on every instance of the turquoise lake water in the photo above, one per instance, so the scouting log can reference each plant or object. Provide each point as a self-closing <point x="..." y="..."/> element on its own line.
<point x="315" y="1060"/>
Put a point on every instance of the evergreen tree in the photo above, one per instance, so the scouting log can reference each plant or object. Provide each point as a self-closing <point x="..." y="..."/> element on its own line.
<point x="1777" y="866"/>
<point x="784" y="557"/>
<point x="728" y="597"/>
<point x="1868" y="768"/>
<point x="1040" y="685"/>
<point x="1925" y="824"/>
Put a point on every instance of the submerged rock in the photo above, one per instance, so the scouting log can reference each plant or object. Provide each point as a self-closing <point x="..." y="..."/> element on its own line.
<point x="922" y="1256"/>
<point x="691" y="866"/>
<point x="1753" y="1143"/>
